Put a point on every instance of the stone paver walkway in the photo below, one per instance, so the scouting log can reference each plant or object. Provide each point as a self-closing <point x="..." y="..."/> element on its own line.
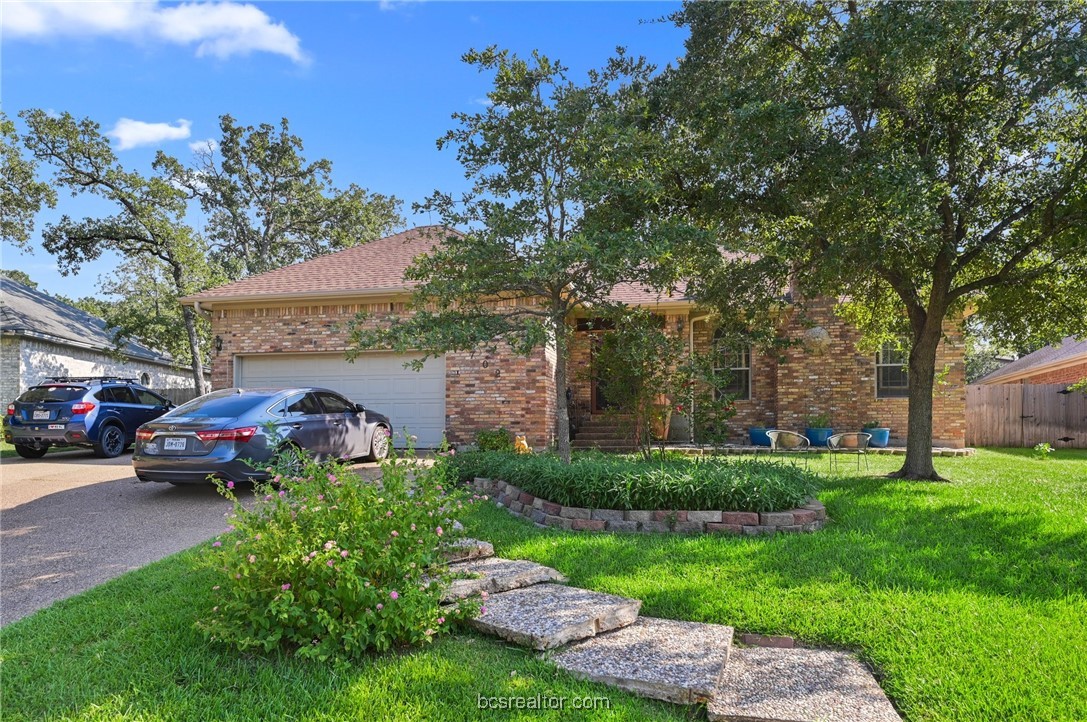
<point x="603" y="639"/>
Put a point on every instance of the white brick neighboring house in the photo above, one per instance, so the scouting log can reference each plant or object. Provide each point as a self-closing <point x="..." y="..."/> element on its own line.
<point x="40" y="337"/>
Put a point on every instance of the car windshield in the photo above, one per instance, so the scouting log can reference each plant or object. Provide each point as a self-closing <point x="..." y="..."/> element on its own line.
<point x="47" y="394"/>
<point x="227" y="405"/>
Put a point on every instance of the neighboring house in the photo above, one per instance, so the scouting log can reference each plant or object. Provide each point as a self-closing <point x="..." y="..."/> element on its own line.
<point x="1063" y="363"/>
<point x="41" y="337"/>
<point x="290" y="327"/>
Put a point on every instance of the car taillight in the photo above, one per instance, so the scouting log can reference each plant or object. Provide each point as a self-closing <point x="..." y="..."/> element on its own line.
<point x="243" y="434"/>
<point x="11" y="409"/>
<point x="83" y="407"/>
<point x="144" y="434"/>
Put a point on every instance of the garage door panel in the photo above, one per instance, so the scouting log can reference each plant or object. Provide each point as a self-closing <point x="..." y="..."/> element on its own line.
<point x="379" y="381"/>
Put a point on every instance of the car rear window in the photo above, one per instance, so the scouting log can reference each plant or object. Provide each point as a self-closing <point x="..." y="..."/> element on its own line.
<point x="213" y="406"/>
<point x="46" y="394"/>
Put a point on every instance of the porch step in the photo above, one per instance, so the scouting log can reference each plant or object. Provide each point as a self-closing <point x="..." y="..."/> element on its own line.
<point x="461" y="550"/>
<point x="678" y="662"/>
<point x="545" y="616"/>
<point x="798" y="685"/>
<point x="595" y="434"/>
<point x="494" y="574"/>
<point x="603" y="446"/>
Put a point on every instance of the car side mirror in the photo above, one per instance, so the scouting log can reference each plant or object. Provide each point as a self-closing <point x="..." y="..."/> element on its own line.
<point x="360" y="408"/>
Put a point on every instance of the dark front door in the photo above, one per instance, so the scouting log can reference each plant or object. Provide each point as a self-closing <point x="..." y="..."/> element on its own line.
<point x="599" y="380"/>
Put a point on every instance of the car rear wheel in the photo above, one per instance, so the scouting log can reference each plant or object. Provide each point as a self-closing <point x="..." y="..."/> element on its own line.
<point x="111" y="442"/>
<point x="379" y="444"/>
<point x="30" y="452"/>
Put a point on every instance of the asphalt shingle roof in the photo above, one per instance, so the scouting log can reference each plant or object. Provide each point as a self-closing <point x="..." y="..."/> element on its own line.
<point x="1068" y="349"/>
<point x="27" y="312"/>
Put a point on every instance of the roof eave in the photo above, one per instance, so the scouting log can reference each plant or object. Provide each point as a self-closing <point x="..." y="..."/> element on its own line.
<point x="1035" y="370"/>
<point x="315" y="295"/>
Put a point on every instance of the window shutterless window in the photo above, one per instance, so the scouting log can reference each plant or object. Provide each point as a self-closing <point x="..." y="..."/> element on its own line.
<point x="736" y="365"/>
<point x="892" y="379"/>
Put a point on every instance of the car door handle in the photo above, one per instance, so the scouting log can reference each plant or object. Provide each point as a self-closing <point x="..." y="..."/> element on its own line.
<point x="337" y="423"/>
<point x="296" y="426"/>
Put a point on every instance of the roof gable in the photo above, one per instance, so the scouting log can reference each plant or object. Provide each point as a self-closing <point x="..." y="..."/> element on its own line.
<point x="1068" y="351"/>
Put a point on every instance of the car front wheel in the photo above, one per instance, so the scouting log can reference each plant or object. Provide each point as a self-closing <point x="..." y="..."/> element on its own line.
<point x="111" y="442"/>
<point x="30" y="452"/>
<point x="380" y="444"/>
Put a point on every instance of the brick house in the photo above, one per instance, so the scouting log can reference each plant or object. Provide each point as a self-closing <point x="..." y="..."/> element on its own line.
<point x="1063" y="363"/>
<point x="289" y="327"/>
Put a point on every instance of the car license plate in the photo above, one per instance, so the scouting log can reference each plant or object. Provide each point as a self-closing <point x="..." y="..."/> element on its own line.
<point x="174" y="444"/>
<point x="54" y="427"/>
<point x="41" y="415"/>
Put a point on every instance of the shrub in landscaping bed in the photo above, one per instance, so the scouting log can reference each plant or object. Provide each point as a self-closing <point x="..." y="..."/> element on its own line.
<point x="613" y="482"/>
<point x="328" y="565"/>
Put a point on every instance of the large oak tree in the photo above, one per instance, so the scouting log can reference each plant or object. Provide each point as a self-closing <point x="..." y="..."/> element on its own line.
<point x="923" y="160"/>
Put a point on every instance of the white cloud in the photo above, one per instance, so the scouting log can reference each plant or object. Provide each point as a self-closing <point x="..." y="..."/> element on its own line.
<point x="218" y="29"/>
<point x="208" y="144"/>
<point x="133" y="133"/>
<point x="485" y="102"/>
<point x="390" y="5"/>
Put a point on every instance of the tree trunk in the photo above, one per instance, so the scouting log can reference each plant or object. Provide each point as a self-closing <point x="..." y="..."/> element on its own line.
<point x="922" y="377"/>
<point x="562" y="411"/>
<point x="188" y="313"/>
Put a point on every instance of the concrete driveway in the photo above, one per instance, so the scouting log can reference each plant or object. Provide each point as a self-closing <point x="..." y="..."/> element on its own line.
<point x="70" y="521"/>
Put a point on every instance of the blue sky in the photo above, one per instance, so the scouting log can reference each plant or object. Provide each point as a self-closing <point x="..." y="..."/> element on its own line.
<point x="369" y="85"/>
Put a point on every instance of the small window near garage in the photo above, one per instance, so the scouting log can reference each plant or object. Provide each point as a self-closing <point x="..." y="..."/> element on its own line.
<point x="734" y="363"/>
<point x="892" y="380"/>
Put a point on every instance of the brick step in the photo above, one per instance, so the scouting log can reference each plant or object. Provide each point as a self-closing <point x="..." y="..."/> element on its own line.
<point x="598" y="435"/>
<point x="545" y="616"/>
<point x="461" y="550"/>
<point x="602" y="446"/>
<point x="494" y="574"/>
<point x="678" y="662"/>
<point x="799" y="685"/>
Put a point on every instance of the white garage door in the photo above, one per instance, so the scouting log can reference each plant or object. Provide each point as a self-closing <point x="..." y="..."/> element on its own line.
<point x="412" y="399"/>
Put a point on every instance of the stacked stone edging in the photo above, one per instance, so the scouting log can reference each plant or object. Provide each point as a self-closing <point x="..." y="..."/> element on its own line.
<point x="807" y="518"/>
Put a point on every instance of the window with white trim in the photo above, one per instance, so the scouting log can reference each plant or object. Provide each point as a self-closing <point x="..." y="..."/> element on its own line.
<point x="735" y="363"/>
<point x="892" y="378"/>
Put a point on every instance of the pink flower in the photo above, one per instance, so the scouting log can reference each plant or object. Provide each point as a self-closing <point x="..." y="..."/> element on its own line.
<point x="328" y="563"/>
<point x="277" y="479"/>
<point x="413" y="527"/>
<point x="441" y="620"/>
<point x="343" y="554"/>
<point x="380" y="607"/>
<point x="388" y="513"/>
<point x="438" y="531"/>
<point x="252" y="558"/>
<point x="217" y="544"/>
<point x="332" y="477"/>
<point x="285" y="587"/>
<point x="394" y="594"/>
<point x="329" y="544"/>
<point x="320" y="497"/>
<point x="237" y="576"/>
<point x="230" y="485"/>
<point x="396" y="533"/>
<point x="282" y="493"/>
<point x="482" y="610"/>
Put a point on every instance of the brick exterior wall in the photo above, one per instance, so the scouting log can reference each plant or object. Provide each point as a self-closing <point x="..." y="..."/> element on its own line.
<point x="482" y="391"/>
<point x="1067" y="375"/>
<point x="790" y="385"/>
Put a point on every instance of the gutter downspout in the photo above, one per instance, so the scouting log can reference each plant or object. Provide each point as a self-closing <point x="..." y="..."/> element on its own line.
<point x="690" y="352"/>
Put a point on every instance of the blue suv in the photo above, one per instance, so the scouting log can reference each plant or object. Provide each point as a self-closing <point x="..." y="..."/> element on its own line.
<point x="98" y="412"/>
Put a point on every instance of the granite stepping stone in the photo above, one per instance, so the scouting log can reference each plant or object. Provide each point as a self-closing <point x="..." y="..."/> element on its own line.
<point x="495" y="574"/>
<point x="678" y="662"/>
<point x="798" y="685"/>
<point x="545" y="616"/>
<point x="462" y="550"/>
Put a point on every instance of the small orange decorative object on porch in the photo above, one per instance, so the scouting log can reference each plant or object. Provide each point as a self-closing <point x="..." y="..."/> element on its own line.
<point x="520" y="445"/>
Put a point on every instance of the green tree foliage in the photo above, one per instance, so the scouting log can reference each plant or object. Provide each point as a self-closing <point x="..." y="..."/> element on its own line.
<point x="18" y="276"/>
<point x="148" y="227"/>
<point x="21" y="194"/>
<point x="267" y="206"/>
<point x="916" y="158"/>
<point x="539" y="236"/>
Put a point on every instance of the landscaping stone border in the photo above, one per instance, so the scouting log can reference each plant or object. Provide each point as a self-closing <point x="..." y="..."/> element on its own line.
<point x="808" y="518"/>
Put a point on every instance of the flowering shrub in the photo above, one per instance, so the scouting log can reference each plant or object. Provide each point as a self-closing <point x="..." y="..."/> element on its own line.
<point x="330" y="565"/>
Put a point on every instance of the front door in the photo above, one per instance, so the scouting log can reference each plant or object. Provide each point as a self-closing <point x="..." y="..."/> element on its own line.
<point x="599" y="381"/>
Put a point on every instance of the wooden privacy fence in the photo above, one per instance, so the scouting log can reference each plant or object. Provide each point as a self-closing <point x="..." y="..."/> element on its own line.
<point x="178" y="396"/>
<point x="1025" y="415"/>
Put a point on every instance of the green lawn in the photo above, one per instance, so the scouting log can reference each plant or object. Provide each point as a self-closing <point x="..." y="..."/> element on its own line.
<point x="969" y="599"/>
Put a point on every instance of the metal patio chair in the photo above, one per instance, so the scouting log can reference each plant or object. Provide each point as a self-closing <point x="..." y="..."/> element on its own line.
<point x="789" y="442"/>
<point x="850" y="443"/>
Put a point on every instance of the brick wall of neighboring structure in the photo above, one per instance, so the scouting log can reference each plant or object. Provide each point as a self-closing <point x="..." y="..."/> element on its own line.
<point x="1067" y="375"/>
<point x="482" y="391"/>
